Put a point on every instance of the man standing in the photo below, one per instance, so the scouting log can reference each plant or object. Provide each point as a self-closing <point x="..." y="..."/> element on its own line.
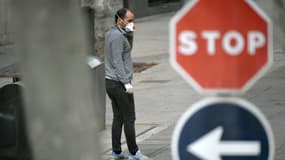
<point x="119" y="74"/>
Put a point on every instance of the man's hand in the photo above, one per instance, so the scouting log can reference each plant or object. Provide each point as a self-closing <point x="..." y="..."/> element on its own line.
<point x="129" y="88"/>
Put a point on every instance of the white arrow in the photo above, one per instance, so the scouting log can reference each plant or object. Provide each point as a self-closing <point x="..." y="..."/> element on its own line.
<point x="210" y="147"/>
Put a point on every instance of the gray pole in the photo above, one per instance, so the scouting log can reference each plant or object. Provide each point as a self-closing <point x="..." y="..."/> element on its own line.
<point x="52" y="43"/>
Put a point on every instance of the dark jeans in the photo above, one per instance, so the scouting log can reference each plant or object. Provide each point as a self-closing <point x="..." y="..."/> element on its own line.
<point x="123" y="114"/>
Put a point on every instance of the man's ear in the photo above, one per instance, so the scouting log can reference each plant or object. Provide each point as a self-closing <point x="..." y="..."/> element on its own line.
<point x="120" y="21"/>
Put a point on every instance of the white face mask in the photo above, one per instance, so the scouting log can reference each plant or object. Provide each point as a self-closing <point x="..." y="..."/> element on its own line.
<point x="130" y="27"/>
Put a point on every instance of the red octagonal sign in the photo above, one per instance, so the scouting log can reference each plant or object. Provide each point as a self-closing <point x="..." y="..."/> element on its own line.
<point x="221" y="45"/>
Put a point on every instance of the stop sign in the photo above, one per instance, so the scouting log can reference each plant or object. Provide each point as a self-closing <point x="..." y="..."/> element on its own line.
<point x="221" y="46"/>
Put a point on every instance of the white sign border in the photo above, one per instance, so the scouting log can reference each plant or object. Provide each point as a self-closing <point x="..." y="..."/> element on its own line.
<point x="214" y="100"/>
<point x="194" y="83"/>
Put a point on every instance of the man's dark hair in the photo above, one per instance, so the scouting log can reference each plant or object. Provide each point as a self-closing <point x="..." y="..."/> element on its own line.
<point x="121" y="13"/>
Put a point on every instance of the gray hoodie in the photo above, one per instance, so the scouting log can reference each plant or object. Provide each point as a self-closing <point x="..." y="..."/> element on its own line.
<point x="118" y="60"/>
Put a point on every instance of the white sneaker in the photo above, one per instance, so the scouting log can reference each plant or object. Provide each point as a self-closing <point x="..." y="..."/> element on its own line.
<point x="118" y="156"/>
<point x="138" y="156"/>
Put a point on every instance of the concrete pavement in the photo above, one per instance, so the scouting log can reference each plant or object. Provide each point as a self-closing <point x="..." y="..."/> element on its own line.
<point x="162" y="96"/>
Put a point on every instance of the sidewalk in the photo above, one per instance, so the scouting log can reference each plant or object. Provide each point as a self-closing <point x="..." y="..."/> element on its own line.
<point x="162" y="96"/>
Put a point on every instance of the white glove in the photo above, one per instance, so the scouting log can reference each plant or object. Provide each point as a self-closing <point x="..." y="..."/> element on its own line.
<point x="129" y="88"/>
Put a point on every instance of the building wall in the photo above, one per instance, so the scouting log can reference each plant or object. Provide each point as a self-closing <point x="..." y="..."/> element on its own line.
<point x="143" y="8"/>
<point x="8" y="58"/>
<point x="105" y="11"/>
<point x="104" y="19"/>
<point x="3" y="21"/>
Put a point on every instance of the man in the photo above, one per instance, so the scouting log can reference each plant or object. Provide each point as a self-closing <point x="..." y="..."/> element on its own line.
<point x="119" y="74"/>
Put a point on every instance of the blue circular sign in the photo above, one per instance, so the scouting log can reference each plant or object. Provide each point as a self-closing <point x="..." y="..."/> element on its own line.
<point x="223" y="129"/>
